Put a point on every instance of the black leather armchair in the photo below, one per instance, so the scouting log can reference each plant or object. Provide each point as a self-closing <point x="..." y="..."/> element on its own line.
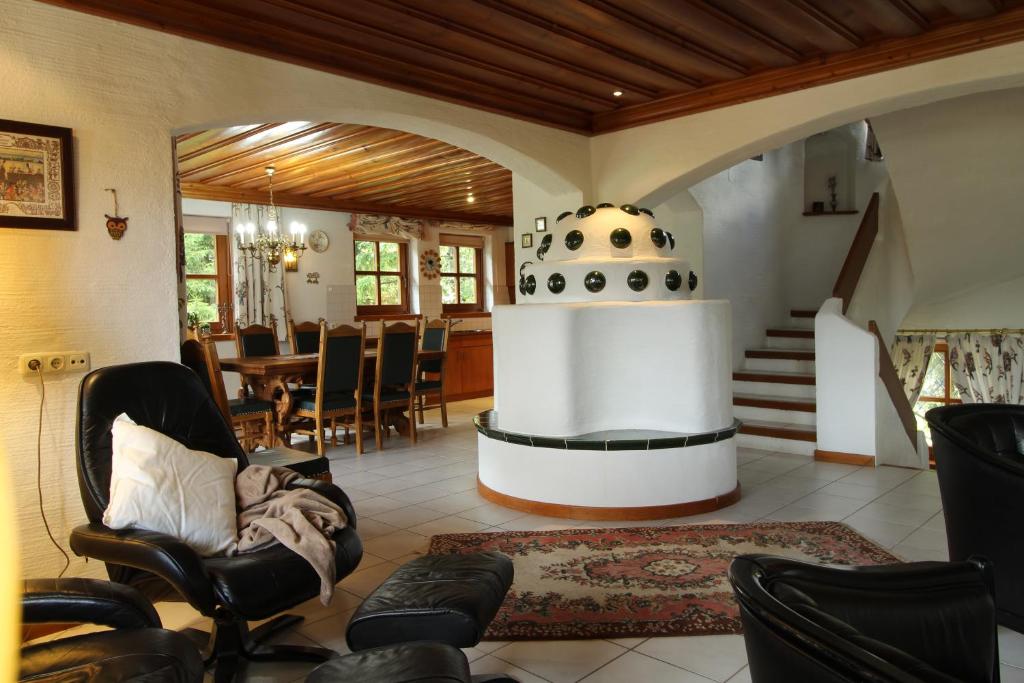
<point x="928" y="622"/>
<point x="171" y="399"/>
<point x="979" y="457"/>
<point x="138" y="649"/>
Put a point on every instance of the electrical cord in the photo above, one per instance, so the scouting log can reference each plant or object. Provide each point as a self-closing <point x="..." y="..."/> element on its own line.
<point x="39" y="467"/>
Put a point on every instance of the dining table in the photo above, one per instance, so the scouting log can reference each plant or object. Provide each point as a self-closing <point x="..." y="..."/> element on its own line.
<point x="270" y="377"/>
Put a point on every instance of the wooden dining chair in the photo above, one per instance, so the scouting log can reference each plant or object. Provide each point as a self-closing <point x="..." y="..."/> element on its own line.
<point x="252" y="418"/>
<point x="339" y="386"/>
<point x="304" y="337"/>
<point x="394" y="384"/>
<point x="430" y="375"/>
<point x="257" y="340"/>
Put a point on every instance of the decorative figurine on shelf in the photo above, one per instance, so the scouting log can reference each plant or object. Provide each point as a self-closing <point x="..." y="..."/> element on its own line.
<point x="817" y="207"/>
<point x="833" y="202"/>
<point x="116" y="224"/>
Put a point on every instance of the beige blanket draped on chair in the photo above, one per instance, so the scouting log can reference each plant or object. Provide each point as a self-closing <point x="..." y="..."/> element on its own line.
<point x="301" y="520"/>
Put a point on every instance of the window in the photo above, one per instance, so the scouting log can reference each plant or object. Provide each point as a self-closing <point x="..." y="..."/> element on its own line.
<point x="381" y="276"/>
<point x="461" y="273"/>
<point x="938" y="389"/>
<point x="208" y="280"/>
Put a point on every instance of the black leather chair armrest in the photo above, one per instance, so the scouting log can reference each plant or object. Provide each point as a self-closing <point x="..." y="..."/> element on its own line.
<point x="328" y="491"/>
<point x="86" y="601"/>
<point x="160" y="554"/>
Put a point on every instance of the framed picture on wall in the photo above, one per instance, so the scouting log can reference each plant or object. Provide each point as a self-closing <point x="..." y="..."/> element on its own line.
<point x="527" y="240"/>
<point x="37" y="180"/>
<point x="540" y="224"/>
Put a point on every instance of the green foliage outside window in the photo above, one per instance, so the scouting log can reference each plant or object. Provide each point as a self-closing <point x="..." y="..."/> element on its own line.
<point x="201" y="293"/>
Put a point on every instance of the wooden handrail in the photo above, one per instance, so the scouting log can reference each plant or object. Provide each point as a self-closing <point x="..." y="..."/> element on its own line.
<point x="893" y="385"/>
<point x="853" y="266"/>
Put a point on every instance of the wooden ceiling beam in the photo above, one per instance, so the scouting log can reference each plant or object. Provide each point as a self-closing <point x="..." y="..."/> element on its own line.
<point x="439" y="159"/>
<point x="745" y="28"/>
<point x="252" y="151"/>
<point x="822" y="18"/>
<point x="675" y="40"/>
<point x="908" y="10"/>
<point x="339" y="162"/>
<point x="414" y="184"/>
<point x="480" y="190"/>
<point x="227" y="194"/>
<point x="945" y="41"/>
<point x="588" y="72"/>
<point x="372" y="164"/>
<point x="400" y="175"/>
<point x="419" y="46"/>
<point x="569" y="34"/>
<point x="225" y="142"/>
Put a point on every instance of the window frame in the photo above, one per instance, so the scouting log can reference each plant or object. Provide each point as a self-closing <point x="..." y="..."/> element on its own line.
<point x="222" y="276"/>
<point x="478" y="256"/>
<point x="402" y="273"/>
<point x="943" y="348"/>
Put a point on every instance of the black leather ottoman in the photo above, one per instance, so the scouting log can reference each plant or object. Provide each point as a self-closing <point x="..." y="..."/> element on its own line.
<point x="443" y="598"/>
<point x="396" y="664"/>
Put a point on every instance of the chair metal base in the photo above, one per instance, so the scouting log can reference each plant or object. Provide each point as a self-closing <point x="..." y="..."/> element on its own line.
<point x="230" y="646"/>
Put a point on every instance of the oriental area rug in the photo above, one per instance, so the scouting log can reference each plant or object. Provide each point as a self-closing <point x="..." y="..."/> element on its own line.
<point x="643" y="581"/>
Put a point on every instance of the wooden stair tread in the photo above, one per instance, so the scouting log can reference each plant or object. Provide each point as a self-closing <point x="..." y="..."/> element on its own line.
<point x="794" y="332"/>
<point x="804" y="405"/>
<point x="779" y="430"/>
<point x="797" y="313"/>
<point x="780" y="354"/>
<point x="774" y="377"/>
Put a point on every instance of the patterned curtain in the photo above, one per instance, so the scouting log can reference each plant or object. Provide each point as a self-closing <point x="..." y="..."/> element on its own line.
<point x="910" y="355"/>
<point x="987" y="368"/>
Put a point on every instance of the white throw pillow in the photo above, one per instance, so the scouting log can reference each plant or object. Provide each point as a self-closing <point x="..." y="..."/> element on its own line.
<point x="160" y="485"/>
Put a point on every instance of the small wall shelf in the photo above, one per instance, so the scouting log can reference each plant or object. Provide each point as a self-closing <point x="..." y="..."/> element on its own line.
<point x="847" y="212"/>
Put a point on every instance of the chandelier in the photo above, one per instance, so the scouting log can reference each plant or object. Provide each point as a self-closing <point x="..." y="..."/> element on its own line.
<point x="263" y="240"/>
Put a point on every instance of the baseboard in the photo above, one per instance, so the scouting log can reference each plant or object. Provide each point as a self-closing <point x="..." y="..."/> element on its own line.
<point x="843" y="458"/>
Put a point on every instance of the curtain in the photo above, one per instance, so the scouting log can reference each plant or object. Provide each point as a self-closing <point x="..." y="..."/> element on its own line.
<point x="910" y="355"/>
<point x="987" y="368"/>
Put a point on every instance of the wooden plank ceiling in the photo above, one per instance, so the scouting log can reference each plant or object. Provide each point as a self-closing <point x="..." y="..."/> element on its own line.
<point x="345" y="167"/>
<point x="558" y="62"/>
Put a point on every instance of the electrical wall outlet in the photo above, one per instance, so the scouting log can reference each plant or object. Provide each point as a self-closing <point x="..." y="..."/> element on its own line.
<point x="53" y="362"/>
<point x="78" y="361"/>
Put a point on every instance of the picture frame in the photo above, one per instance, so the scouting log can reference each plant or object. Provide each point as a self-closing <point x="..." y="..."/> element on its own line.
<point x="527" y="240"/>
<point x="37" y="176"/>
<point x="540" y="224"/>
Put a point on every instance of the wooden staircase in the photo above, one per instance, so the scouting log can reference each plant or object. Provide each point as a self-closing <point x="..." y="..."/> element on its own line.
<point x="773" y="395"/>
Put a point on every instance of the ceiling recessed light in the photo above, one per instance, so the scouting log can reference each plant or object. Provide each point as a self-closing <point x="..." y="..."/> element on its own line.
<point x="617" y="93"/>
<point x="470" y="199"/>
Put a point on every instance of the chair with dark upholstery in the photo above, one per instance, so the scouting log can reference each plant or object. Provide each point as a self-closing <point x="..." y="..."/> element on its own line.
<point x="979" y="458"/>
<point x="931" y="622"/>
<point x="257" y="340"/>
<point x="137" y="649"/>
<point x="339" y="385"/>
<point x="394" y="377"/>
<point x="304" y="337"/>
<point x="252" y="417"/>
<point x="430" y="374"/>
<point x="171" y="399"/>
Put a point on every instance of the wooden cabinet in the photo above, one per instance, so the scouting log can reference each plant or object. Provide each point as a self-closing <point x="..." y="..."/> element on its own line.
<point x="469" y="371"/>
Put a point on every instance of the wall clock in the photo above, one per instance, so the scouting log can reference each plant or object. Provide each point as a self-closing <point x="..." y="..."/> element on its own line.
<point x="318" y="241"/>
<point x="430" y="264"/>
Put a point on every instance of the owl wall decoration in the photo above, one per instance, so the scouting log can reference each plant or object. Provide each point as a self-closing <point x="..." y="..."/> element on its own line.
<point x="116" y="225"/>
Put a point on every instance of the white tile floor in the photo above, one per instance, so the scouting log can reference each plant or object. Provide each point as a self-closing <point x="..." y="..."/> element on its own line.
<point x="404" y="495"/>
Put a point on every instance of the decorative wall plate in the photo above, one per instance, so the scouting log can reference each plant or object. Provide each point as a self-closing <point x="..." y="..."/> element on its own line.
<point x="430" y="264"/>
<point x="318" y="241"/>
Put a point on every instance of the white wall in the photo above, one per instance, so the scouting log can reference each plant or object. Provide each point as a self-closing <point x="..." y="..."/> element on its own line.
<point x="989" y="306"/>
<point x="816" y="246"/>
<point x="532" y="201"/>
<point x="746" y="209"/>
<point x="125" y="90"/>
<point x="956" y="167"/>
